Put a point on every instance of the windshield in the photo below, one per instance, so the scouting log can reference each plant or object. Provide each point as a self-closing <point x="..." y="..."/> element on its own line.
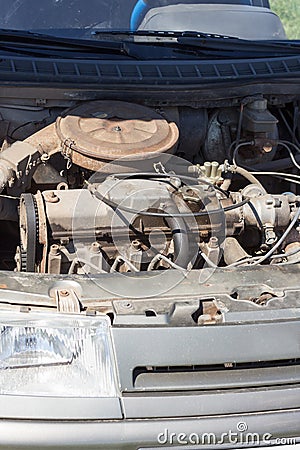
<point x="248" y="19"/>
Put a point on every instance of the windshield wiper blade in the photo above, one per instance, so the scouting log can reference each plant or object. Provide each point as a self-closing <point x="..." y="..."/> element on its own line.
<point x="242" y="46"/>
<point x="163" y="34"/>
<point x="38" y="44"/>
<point x="205" y="44"/>
<point x="143" y="45"/>
<point x="34" y="44"/>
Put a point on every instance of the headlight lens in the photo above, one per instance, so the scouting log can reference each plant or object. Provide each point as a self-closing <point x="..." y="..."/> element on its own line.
<point x="55" y="355"/>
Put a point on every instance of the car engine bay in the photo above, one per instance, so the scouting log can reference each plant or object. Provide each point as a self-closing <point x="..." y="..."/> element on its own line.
<point x="113" y="186"/>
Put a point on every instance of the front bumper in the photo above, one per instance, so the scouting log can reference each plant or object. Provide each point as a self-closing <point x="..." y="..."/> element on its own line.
<point x="280" y="427"/>
<point x="172" y="404"/>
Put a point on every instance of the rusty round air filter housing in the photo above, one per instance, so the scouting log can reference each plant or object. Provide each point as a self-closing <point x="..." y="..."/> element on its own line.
<point x="96" y="133"/>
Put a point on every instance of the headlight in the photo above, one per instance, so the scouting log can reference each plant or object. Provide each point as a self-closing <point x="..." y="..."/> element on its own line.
<point x="55" y="355"/>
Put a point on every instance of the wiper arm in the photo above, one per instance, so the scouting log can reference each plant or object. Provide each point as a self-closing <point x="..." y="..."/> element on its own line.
<point x="204" y="43"/>
<point x="38" y="44"/>
<point x="144" y="45"/>
<point x="242" y="46"/>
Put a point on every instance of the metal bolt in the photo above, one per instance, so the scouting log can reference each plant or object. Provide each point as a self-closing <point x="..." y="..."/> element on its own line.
<point x="270" y="236"/>
<point x="51" y="197"/>
<point x="213" y="242"/>
<point x="95" y="247"/>
<point x="136" y="244"/>
<point x="54" y="250"/>
<point x="126" y="305"/>
<point x="64" y="293"/>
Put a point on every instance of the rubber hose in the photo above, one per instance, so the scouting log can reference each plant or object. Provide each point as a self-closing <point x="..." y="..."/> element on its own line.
<point x="179" y="234"/>
<point x="251" y="178"/>
<point x="278" y="164"/>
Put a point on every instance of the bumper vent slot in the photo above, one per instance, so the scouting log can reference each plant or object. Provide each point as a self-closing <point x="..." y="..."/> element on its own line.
<point x="219" y="376"/>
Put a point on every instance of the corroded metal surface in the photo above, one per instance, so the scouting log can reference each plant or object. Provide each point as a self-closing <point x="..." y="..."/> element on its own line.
<point x="96" y="133"/>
